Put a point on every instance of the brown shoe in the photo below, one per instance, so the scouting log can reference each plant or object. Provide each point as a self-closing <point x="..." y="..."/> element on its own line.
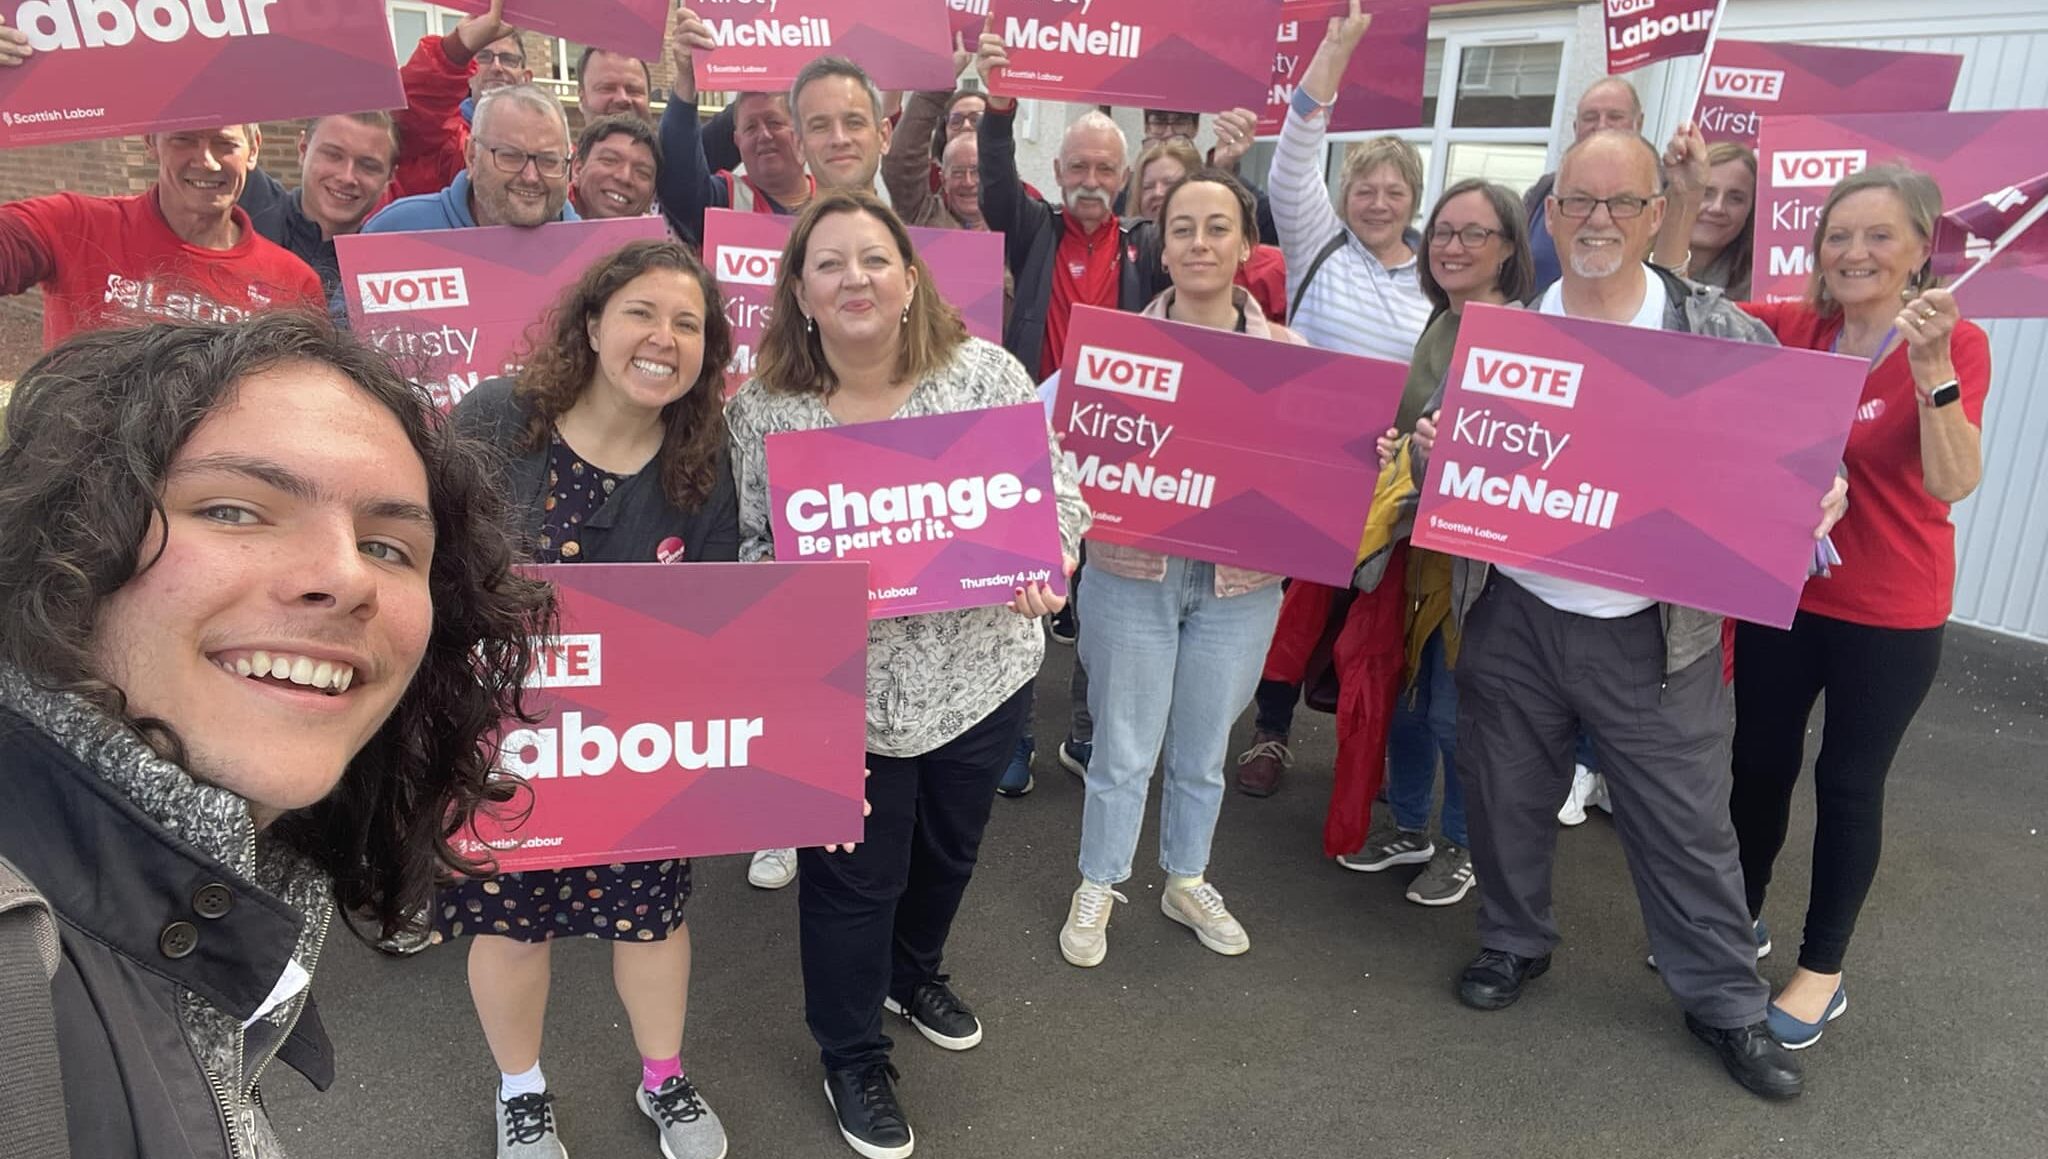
<point x="1258" y="770"/>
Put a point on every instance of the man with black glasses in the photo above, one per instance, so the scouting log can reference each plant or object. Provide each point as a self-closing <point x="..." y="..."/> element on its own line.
<point x="444" y="79"/>
<point x="518" y="170"/>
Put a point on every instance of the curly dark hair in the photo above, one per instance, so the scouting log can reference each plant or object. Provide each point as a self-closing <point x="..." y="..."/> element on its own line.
<point x="559" y="367"/>
<point x="90" y="434"/>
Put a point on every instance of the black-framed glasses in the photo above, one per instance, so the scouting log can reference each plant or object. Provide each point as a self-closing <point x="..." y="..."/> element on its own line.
<point x="548" y="165"/>
<point x="1471" y="236"/>
<point x="512" y="60"/>
<point x="963" y="120"/>
<point x="1620" y="207"/>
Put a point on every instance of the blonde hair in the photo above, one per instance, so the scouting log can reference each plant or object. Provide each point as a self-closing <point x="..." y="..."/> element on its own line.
<point x="1365" y="156"/>
<point x="1918" y="195"/>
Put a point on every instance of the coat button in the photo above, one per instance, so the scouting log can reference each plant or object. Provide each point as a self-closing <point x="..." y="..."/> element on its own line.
<point x="178" y="940"/>
<point x="213" y="901"/>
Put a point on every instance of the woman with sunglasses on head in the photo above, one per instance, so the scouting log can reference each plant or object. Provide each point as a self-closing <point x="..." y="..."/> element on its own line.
<point x="1869" y="635"/>
<point x="613" y="450"/>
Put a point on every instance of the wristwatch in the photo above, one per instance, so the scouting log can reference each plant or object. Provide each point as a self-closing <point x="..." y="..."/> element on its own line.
<point x="1943" y="395"/>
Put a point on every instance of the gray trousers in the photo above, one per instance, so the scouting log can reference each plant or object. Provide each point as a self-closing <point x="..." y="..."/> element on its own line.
<point x="1530" y="678"/>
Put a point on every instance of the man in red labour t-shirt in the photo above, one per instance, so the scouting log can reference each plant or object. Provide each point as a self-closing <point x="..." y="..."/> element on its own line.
<point x="443" y="78"/>
<point x="180" y="251"/>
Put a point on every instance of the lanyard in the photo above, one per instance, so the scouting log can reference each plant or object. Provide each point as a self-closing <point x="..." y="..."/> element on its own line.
<point x="1835" y="347"/>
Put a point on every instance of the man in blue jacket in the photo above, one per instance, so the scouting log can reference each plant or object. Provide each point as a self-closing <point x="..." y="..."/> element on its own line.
<point x="518" y="157"/>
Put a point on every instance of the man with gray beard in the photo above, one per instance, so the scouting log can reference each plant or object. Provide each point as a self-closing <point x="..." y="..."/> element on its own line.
<point x="518" y="170"/>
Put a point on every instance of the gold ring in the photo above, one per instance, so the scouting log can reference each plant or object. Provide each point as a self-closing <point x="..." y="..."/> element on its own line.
<point x="1928" y="312"/>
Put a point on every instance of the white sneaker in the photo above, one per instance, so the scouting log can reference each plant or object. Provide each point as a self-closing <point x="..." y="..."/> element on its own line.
<point x="1574" y="810"/>
<point x="1598" y="798"/>
<point x="1084" y="940"/>
<point x="772" y="869"/>
<point x="1200" y="908"/>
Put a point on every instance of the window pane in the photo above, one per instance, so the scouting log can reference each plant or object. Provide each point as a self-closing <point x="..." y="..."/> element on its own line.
<point x="1515" y="166"/>
<point x="1432" y="80"/>
<point x="1507" y="86"/>
<point x="407" y="30"/>
<point x="566" y="56"/>
<point x="448" y="22"/>
<point x="1257" y="165"/>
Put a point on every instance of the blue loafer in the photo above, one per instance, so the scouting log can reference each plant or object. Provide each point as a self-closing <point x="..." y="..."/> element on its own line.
<point x="1793" y="1034"/>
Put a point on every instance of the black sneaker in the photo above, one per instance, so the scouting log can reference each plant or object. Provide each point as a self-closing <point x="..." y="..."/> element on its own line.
<point x="1494" y="979"/>
<point x="1753" y="1057"/>
<point x="939" y="1015"/>
<point x="870" y="1120"/>
<point x="1063" y="627"/>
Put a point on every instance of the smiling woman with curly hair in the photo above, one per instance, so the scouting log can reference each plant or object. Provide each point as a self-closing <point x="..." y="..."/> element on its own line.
<point x="261" y="625"/>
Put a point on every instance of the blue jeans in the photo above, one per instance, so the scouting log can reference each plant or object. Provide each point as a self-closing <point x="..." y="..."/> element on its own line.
<point x="1426" y="724"/>
<point x="1170" y="666"/>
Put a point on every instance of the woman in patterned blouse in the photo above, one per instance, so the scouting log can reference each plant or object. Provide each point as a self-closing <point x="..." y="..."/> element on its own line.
<point x="861" y="335"/>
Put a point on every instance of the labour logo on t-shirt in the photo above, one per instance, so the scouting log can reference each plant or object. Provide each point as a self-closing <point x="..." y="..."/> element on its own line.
<point x="669" y="550"/>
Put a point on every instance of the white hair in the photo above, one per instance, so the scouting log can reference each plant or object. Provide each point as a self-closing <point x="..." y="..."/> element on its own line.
<point x="530" y="95"/>
<point x="1096" y="121"/>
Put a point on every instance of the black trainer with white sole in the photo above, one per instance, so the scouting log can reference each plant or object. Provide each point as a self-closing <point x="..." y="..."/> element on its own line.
<point x="939" y="1015"/>
<point x="870" y="1119"/>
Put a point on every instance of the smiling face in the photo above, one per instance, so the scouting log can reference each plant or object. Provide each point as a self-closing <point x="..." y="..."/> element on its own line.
<point x="1158" y="177"/>
<point x="502" y="62"/>
<point x="1730" y="199"/>
<point x="766" y="138"/>
<point x="960" y="180"/>
<point x="296" y="540"/>
<point x="1869" y="249"/>
<point x="650" y="339"/>
<point x="616" y="179"/>
<point x="1609" y="104"/>
<point x="1461" y="270"/>
<point x="527" y="197"/>
<point x="854" y="282"/>
<point x="1378" y="205"/>
<point x="1091" y="170"/>
<point x="1600" y="245"/>
<point x="842" y="134"/>
<point x="612" y="83"/>
<point x="201" y="172"/>
<point x="1205" y="242"/>
<point x="347" y="165"/>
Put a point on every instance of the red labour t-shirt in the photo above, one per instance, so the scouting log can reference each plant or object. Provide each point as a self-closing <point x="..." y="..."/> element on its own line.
<point x="1087" y="270"/>
<point x="1898" y="547"/>
<point x="118" y="262"/>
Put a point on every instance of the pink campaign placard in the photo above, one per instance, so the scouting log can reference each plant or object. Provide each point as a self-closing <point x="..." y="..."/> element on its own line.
<point x="688" y="711"/>
<point x="949" y="511"/>
<point x="1685" y="469"/>
<point x="1201" y="56"/>
<point x="1218" y="446"/>
<point x="453" y="306"/>
<point x="1382" y="86"/>
<point x="635" y="27"/>
<point x="1747" y="81"/>
<point x="1979" y="159"/>
<point x="745" y="252"/>
<point x="902" y="44"/>
<point x="1643" y="32"/>
<point x="114" y="67"/>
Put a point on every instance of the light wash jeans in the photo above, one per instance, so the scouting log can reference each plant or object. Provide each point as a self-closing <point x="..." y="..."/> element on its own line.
<point x="1170" y="666"/>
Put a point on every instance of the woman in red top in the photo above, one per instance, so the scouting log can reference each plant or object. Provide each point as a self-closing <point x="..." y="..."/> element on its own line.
<point x="1869" y="636"/>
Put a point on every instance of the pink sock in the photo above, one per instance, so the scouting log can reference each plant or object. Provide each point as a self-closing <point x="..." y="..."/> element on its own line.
<point x="656" y="1071"/>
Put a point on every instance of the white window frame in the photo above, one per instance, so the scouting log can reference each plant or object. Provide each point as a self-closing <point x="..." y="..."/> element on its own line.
<point x="435" y="15"/>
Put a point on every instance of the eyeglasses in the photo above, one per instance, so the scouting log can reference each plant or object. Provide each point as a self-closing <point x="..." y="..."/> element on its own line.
<point x="510" y="60"/>
<point x="963" y="120"/>
<point x="1620" y="207"/>
<point x="549" y="165"/>
<point x="1471" y="236"/>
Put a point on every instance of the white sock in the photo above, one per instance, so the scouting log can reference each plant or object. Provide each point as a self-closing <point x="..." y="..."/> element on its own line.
<point x="527" y="1082"/>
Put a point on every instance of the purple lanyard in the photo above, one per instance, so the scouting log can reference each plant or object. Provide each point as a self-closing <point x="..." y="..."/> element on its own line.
<point x="1835" y="347"/>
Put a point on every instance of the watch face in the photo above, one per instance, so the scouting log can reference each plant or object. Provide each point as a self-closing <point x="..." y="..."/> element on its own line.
<point x="1944" y="395"/>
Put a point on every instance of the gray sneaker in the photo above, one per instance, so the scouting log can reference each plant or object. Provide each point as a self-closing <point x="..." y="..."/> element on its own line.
<point x="1398" y="847"/>
<point x="526" y="1128"/>
<point x="688" y="1128"/>
<point x="1445" y="880"/>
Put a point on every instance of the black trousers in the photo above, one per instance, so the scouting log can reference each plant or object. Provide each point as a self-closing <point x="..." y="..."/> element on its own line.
<point x="873" y="923"/>
<point x="1875" y="680"/>
<point x="1530" y="679"/>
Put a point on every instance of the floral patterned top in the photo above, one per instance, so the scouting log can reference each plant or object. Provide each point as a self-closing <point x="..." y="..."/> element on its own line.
<point x="930" y="677"/>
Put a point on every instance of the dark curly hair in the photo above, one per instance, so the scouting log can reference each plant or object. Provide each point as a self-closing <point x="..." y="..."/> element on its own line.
<point x="90" y="434"/>
<point x="559" y="367"/>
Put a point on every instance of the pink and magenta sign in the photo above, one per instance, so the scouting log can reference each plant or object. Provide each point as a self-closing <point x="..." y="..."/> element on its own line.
<point x="635" y="27"/>
<point x="453" y="306"/>
<point x="1643" y="32"/>
<point x="1194" y="55"/>
<point x="1381" y="87"/>
<point x="1747" y="81"/>
<point x="115" y="67"/>
<point x="1684" y="469"/>
<point x="1217" y="446"/>
<point x="949" y="511"/>
<point x="762" y="44"/>
<point x="745" y="253"/>
<point x="689" y="711"/>
<point x="1985" y="164"/>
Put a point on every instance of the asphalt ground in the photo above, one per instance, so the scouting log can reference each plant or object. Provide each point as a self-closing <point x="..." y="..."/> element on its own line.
<point x="1338" y="1034"/>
